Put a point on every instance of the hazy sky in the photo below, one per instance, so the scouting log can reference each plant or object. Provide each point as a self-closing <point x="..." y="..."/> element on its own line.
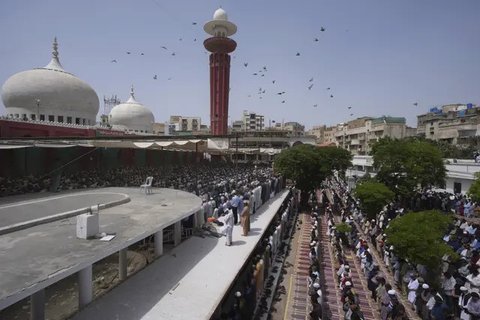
<point x="377" y="56"/>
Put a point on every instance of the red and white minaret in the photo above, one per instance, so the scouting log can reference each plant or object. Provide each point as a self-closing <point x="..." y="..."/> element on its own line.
<point x="220" y="46"/>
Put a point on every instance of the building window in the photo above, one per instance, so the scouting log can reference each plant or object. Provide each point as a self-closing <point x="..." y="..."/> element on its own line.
<point x="83" y="121"/>
<point x="24" y="117"/>
<point x="33" y="116"/>
<point x="42" y="117"/>
<point x="77" y="120"/>
<point x="60" y="119"/>
<point x="51" y="118"/>
<point x="17" y="115"/>
<point x="69" y="119"/>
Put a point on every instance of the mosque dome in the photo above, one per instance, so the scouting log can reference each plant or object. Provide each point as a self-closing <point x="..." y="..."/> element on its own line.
<point x="132" y="116"/>
<point x="50" y="94"/>
<point x="220" y="14"/>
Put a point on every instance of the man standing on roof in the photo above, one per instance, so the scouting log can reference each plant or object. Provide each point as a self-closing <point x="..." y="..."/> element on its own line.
<point x="229" y="223"/>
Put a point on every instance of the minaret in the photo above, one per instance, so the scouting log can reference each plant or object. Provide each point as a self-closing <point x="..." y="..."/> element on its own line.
<point x="220" y="46"/>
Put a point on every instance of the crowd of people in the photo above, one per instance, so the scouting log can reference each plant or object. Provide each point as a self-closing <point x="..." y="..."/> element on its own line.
<point x="314" y="281"/>
<point x="457" y="293"/>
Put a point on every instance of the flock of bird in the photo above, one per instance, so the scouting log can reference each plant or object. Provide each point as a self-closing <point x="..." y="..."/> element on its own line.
<point x="261" y="73"/>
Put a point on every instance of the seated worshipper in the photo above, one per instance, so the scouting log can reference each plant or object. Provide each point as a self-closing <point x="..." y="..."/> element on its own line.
<point x="245" y="218"/>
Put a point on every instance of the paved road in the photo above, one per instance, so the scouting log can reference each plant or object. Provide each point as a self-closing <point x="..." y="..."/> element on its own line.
<point x="13" y="213"/>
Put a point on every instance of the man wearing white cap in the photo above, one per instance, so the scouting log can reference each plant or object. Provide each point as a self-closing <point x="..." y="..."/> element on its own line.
<point x="473" y="304"/>
<point x="412" y="289"/>
<point x="462" y="303"/>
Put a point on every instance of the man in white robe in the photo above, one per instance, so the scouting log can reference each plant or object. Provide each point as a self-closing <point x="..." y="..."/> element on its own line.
<point x="229" y="223"/>
<point x="412" y="289"/>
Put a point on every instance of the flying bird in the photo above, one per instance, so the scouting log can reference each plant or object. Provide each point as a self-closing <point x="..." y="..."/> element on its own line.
<point x="415" y="104"/>
<point x="114" y="61"/>
<point x="173" y="53"/>
<point x="315" y="105"/>
<point x="128" y="52"/>
<point x="273" y="81"/>
<point x="194" y="40"/>
<point x="349" y="108"/>
<point x="265" y="68"/>
<point x="283" y="101"/>
<point x="180" y="39"/>
<point x="311" y="79"/>
<point x="331" y="96"/>
<point x="170" y="78"/>
<point x="279" y="93"/>
<point x="316" y="40"/>
<point x="322" y="29"/>
<point x="255" y="74"/>
<point x="310" y="87"/>
<point x="194" y="23"/>
<point x="328" y="88"/>
<point x="298" y="54"/>
<point x="142" y="54"/>
<point x="245" y="64"/>
<point x="351" y="114"/>
<point x="163" y="47"/>
<point x="155" y="77"/>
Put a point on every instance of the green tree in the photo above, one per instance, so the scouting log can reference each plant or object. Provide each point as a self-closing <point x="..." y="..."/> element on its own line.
<point x="418" y="237"/>
<point x="373" y="196"/>
<point x="309" y="165"/>
<point x="338" y="159"/>
<point x="474" y="190"/>
<point x="404" y="165"/>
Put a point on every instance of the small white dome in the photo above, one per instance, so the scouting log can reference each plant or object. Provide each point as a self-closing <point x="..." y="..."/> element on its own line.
<point x="59" y="93"/>
<point x="220" y="14"/>
<point x="132" y="116"/>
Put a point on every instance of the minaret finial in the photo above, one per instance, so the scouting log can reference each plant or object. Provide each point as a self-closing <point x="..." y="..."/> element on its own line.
<point x="55" y="62"/>
<point x="132" y="93"/>
<point x="55" y="49"/>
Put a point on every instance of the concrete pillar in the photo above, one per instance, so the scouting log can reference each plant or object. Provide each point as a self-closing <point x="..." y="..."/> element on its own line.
<point x="177" y="233"/>
<point x="85" y="286"/>
<point x="195" y="219"/>
<point x="122" y="264"/>
<point x="37" y="305"/>
<point x="158" y="238"/>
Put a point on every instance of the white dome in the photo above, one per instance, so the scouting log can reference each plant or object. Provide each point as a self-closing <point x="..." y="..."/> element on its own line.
<point x="220" y="14"/>
<point x="59" y="94"/>
<point x="132" y="116"/>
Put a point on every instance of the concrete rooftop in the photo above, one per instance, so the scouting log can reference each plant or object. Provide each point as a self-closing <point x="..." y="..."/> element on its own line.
<point x="34" y="258"/>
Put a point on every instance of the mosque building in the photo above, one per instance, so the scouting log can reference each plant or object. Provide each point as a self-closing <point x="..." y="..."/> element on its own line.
<point x="50" y="94"/>
<point x="50" y="101"/>
<point x="132" y="117"/>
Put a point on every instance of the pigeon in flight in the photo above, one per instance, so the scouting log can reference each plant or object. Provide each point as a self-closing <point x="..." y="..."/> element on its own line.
<point x="415" y="104"/>
<point x="298" y="54"/>
<point x="328" y="88"/>
<point x="283" y="101"/>
<point x="128" y="52"/>
<point x="351" y="114"/>
<point x="164" y="48"/>
<point x="173" y="53"/>
<point x="265" y="68"/>
<point x="245" y="64"/>
<point x="331" y="96"/>
<point x="349" y="108"/>
<point x="322" y="29"/>
<point x="170" y="78"/>
<point x="255" y="74"/>
<point x="316" y="40"/>
<point x="142" y="54"/>
<point x="315" y="105"/>
<point x="311" y="79"/>
<point x="195" y="40"/>
<point x="155" y="77"/>
<point x="114" y="61"/>
<point x="310" y="87"/>
<point x="273" y="81"/>
<point x="194" y="23"/>
<point x="180" y="39"/>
